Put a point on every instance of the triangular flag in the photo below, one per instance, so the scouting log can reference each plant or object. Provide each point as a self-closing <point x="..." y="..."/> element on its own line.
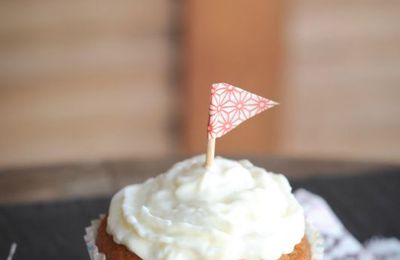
<point x="230" y="106"/>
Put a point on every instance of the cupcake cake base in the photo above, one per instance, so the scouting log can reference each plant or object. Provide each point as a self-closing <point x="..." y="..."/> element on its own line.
<point x="313" y="239"/>
<point x="114" y="251"/>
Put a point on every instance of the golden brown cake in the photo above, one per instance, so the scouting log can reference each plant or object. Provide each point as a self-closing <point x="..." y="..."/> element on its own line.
<point x="113" y="251"/>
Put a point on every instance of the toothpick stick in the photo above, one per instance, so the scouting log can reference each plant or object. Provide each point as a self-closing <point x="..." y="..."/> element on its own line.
<point x="210" y="153"/>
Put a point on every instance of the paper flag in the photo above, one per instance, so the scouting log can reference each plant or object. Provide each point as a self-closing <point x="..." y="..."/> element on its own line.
<point x="230" y="106"/>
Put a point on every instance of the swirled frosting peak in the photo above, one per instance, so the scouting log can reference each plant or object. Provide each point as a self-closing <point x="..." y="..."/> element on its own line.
<point x="231" y="211"/>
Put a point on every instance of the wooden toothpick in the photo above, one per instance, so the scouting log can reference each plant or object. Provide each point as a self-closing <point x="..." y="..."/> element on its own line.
<point x="210" y="153"/>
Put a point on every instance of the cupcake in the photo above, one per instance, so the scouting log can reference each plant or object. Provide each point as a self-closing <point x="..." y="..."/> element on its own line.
<point x="230" y="211"/>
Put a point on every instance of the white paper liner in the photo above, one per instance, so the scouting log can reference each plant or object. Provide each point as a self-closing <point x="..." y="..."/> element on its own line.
<point x="316" y="242"/>
<point x="90" y="240"/>
<point x="313" y="236"/>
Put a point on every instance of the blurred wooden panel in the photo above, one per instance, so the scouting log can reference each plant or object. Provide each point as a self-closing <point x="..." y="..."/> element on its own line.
<point x="235" y="42"/>
<point x="105" y="59"/>
<point x="342" y="79"/>
<point x="88" y="16"/>
<point x="85" y="80"/>
<point x="64" y="123"/>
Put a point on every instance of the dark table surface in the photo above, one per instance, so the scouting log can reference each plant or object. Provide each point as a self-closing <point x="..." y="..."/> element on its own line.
<point x="367" y="203"/>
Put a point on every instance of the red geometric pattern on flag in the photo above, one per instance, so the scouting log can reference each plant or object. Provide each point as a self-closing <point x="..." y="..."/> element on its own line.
<point x="230" y="106"/>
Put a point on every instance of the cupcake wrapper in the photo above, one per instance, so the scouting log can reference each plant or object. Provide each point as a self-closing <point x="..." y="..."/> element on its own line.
<point x="316" y="242"/>
<point x="90" y="240"/>
<point x="313" y="236"/>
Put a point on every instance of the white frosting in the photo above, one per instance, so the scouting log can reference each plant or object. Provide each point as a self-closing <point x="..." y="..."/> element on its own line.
<point x="232" y="211"/>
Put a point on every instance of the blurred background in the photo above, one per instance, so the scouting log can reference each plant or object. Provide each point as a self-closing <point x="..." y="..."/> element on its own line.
<point x="101" y="80"/>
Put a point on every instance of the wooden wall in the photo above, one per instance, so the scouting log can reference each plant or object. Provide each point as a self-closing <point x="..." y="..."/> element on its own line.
<point x="342" y="79"/>
<point x="92" y="80"/>
<point x="84" y="80"/>
<point x="236" y="42"/>
<point x="334" y="67"/>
